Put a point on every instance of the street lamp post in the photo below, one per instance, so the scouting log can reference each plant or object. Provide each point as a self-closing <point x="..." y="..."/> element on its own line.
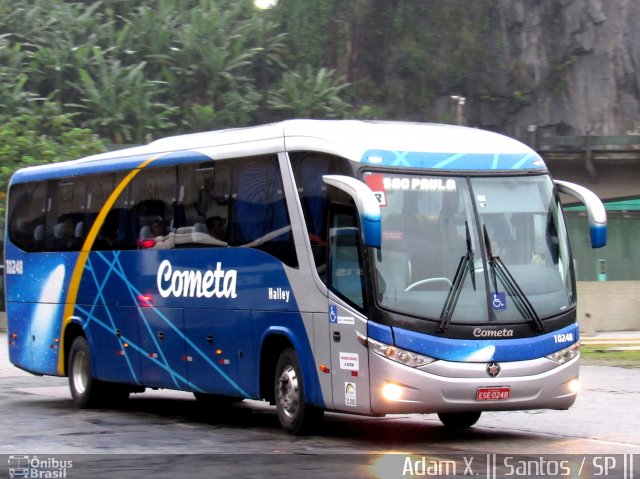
<point x="460" y="101"/>
<point x="263" y="5"/>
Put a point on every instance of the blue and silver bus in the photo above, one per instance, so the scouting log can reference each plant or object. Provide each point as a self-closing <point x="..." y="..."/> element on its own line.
<point x="358" y="267"/>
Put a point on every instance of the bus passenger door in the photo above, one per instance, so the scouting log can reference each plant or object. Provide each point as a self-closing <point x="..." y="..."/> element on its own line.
<point x="349" y="358"/>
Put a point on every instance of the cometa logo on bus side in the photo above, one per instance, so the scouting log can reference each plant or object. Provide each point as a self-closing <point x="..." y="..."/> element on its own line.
<point x="196" y="284"/>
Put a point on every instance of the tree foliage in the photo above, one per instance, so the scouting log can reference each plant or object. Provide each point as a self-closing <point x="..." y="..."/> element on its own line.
<point x="309" y="93"/>
<point x="46" y="137"/>
<point x="130" y="70"/>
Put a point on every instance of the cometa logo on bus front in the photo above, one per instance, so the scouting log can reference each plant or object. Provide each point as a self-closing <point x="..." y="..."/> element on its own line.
<point x="196" y="284"/>
<point x="493" y="333"/>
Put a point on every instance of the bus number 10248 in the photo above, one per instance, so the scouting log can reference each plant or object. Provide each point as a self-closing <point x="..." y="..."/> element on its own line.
<point x="563" y="338"/>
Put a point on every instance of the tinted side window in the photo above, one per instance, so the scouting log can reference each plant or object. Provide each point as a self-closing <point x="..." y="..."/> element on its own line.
<point x="27" y="215"/>
<point x="113" y="231"/>
<point x="152" y="199"/>
<point x="315" y="197"/>
<point x="346" y="271"/>
<point x="238" y="202"/>
<point x="258" y="215"/>
<point x="203" y="205"/>
<point x="142" y="216"/>
<point x="65" y="214"/>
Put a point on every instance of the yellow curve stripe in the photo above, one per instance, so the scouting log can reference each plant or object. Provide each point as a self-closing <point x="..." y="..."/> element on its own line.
<point x="78" y="270"/>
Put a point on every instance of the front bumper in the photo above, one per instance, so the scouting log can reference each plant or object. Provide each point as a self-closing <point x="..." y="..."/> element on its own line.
<point x="445" y="386"/>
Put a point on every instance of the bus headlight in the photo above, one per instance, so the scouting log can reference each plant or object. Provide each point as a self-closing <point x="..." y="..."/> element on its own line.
<point x="399" y="355"/>
<point x="566" y="354"/>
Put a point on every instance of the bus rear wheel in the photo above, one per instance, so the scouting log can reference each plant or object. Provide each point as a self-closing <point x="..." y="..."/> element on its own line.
<point x="295" y="415"/>
<point x="459" y="420"/>
<point x="86" y="391"/>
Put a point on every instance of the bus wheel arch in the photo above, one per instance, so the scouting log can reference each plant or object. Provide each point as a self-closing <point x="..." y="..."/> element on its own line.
<point x="71" y="332"/>
<point x="272" y="347"/>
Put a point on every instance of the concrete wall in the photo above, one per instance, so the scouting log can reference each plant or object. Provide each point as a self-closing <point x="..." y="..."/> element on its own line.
<point x="608" y="306"/>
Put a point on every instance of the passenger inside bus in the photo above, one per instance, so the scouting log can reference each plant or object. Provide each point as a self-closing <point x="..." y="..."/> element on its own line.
<point x="65" y="236"/>
<point x="216" y="227"/>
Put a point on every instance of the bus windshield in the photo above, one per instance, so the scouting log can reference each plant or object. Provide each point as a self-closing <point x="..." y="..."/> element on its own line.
<point x="472" y="250"/>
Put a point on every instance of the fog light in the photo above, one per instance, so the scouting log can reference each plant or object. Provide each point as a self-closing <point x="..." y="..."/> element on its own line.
<point x="574" y="386"/>
<point x="391" y="392"/>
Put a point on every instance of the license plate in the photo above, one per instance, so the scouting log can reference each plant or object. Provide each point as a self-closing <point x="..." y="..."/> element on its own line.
<point x="493" y="394"/>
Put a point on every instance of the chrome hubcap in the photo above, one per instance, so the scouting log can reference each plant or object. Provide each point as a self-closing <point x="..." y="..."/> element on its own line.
<point x="80" y="372"/>
<point x="289" y="391"/>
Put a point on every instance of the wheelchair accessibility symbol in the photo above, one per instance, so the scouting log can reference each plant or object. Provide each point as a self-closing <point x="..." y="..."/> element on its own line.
<point x="498" y="300"/>
<point x="333" y="314"/>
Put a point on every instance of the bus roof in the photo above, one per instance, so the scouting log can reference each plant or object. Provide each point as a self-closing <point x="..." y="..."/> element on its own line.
<point x="398" y="144"/>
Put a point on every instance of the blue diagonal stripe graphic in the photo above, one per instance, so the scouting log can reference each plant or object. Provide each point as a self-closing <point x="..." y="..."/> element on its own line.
<point x="117" y="269"/>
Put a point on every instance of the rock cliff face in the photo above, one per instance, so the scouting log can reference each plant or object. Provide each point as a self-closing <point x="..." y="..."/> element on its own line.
<point x="567" y="66"/>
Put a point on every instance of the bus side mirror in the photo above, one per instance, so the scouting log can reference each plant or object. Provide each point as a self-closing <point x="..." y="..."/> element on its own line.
<point x="596" y="213"/>
<point x="366" y="203"/>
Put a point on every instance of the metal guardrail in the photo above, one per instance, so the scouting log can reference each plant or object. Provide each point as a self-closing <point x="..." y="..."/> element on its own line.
<point x="624" y="142"/>
<point x="590" y="149"/>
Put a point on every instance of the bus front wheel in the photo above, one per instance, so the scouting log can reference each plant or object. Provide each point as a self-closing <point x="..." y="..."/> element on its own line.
<point x="295" y="415"/>
<point x="459" y="420"/>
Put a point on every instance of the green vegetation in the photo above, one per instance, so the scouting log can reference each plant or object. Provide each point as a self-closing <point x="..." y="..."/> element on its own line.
<point x="610" y="356"/>
<point x="131" y="70"/>
<point x="76" y="75"/>
<point x="48" y="137"/>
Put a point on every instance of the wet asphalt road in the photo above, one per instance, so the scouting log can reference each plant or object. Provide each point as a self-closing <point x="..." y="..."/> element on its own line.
<point x="169" y="434"/>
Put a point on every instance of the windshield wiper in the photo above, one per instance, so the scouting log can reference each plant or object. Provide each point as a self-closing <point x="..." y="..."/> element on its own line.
<point x="500" y="270"/>
<point x="465" y="264"/>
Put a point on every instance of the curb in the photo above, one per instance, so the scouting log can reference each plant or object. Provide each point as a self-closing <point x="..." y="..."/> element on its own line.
<point x="610" y="341"/>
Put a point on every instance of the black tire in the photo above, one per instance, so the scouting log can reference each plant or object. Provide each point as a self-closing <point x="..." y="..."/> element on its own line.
<point x="295" y="415"/>
<point x="459" y="420"/>
<point x="86" y="391"/>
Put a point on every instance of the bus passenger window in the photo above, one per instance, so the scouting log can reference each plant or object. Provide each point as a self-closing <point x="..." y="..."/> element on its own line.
<point x="258" y="216"/>
<point x="202" y="207"/>
<point x="152" y="196"/>
<point x="26" y="215"/>
<point x="234" y="203"/>
<point x="315" y="198"/>
<point x="65" y="210"/>
<point x="112" y="232"/>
